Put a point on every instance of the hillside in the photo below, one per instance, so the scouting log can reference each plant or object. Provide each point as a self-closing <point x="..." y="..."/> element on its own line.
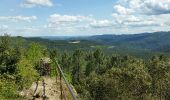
<point x="134" y="44"/>
<point x="157" y="42"/>
<point x="140" y="45"/>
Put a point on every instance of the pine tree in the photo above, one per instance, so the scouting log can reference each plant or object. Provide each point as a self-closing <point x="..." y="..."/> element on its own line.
<point x="77" y="66"/>
<point x="159" y="69"/>
<point x="66" y="62"/>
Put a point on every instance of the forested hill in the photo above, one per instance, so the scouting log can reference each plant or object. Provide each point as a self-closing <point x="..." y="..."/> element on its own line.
<point x="134" y="44"/>
<point x="140" y="45"/>
<point x="158" y="41"/>
<point x="132" y="37"/>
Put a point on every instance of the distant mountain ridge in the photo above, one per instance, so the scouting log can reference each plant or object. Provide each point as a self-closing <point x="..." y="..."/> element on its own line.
<point x="158" y="41"/>
<point x="130" y="37"/>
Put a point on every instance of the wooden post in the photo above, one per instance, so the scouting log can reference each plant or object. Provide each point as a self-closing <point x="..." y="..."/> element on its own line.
<point x="61" y="88"/>
<point x="44" y="90"/>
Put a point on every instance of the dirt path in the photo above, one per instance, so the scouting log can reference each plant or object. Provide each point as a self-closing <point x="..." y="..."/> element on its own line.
<point x="51" y="88"/>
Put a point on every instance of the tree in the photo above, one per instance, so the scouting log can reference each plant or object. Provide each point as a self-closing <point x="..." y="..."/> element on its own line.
<point x="159" y="69"/>
<point x="16" y="72"/>
<point x="35" y="52"/>
<point x="26" y="73"/>
<point x="8" y="56"/>
<point x="90" y="66"/>
<point x="77" y="63"/>
<point x="54" y="55"/>
<point x="99" y="61"/>
<point x="66" y="62"/>
<point x="130" y="81"/>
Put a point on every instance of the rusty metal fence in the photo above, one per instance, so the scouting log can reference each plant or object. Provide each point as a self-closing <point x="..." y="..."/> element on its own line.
<point x="67" y="84"/>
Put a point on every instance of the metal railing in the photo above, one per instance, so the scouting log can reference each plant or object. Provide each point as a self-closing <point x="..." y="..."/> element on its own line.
<point x="66" y="82"/>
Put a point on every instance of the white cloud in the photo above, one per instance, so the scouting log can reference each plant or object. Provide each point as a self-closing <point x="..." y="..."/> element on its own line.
<point x="149" y="7"/>
<point x="33" y="3"/>
<point x="66" y="23"/>
<point x="145" y="23"/>
<point x="164" y="19"/>
<point x="134" y="4"/>
<point x="140" y="21"/>
<point x="59" y="19"/>
<point x="129" y="23"/>
<point x="76" y="23"/>
<point x="18" y="18"/>
<point x="156" y="6"/>
<point x="122" y="10"/>
<point x="120" y="19"/>
<point x="132" y="18"/>
<point x="101" y="23"/>
<point x="142" y="14"/>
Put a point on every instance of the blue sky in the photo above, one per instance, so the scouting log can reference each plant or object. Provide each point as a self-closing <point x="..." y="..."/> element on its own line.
<point x="83" y="17"/>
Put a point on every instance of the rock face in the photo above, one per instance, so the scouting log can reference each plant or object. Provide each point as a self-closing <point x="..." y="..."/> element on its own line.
<point x="45" y="68"/>
<point x="46" y="60"/>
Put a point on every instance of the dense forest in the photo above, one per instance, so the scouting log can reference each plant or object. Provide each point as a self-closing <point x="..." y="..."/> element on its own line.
<point x="144" y="45"/>
<point x="95" y="74"/>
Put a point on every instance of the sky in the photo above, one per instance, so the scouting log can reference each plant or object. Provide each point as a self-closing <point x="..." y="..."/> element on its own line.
<point x="83" y="17"/>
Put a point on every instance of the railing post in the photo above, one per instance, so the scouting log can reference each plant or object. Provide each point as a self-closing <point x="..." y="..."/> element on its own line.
<point x="61" y="88"/>
<point x="43" y="89"/>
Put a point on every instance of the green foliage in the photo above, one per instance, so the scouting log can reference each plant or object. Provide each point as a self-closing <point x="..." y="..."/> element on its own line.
<point x="68" y="77"/>
<point x="17" y="67"/>
<point x="77" y="66"/>
<point x="100" y="77"/>
<point x="66" y="62"/>
<point x="35" y="52"/>
<point x="53" y="66"/>
<point x="7" y="89"/>
<point x="54" y="56"/>
<point x="94" y="74"/>
<point x="8" y="56"/>
<point x="131" y="81"/>
<point x="26" y="73"/>
<point x="96" y="62"/>
<point x="159" y="69"/>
